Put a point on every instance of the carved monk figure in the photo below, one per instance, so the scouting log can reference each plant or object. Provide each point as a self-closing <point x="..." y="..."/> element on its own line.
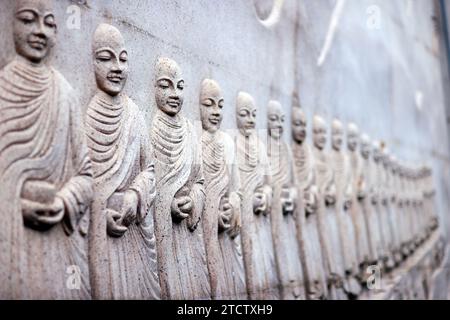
<point x="342" y="218"/>
<point x="259" y="259"/>
<point x="365" y="202"/>
<point x="328" y="225"/>
<point x="354" y="195"/>
<point x="385" y="210"/>
<point x="122" y="248"/>
<point x="180" y="192"/>
<point x="306" y="212"/>
<point x="393" y="191"/>
<point x="222" y="210"/>
<point x="375" y="221"/>
<point x="45" y="171"/>
<point x="284" y="232"/>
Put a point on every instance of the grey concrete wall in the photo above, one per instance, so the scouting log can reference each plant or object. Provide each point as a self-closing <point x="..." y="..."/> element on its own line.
<point x="382" y="70"/>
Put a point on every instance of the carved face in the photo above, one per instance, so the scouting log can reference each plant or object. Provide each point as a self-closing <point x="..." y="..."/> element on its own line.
<point x="34" y="29"/>
<point x="211" y="104"/>
<point x="245" y="114"/>
<point x="365" y="146"/>
<point x="275" y="119"/>
<point x="169" y="87"/>
<point x="352" y="137"/>
<point x="111" y="60"/>
<point x="319" y="133"/>
<point x="298" y="125"/>
<point x="337" y="134"/>
<point x="376" y="153"/>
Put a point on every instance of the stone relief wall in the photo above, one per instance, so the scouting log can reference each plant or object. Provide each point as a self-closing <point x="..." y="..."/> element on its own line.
<point x="126" y="174"/>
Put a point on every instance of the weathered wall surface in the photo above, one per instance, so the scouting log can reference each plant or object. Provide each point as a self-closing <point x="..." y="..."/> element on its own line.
<point x="381" y="70"/>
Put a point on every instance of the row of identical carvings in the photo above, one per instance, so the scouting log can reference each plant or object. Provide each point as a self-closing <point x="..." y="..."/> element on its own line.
<point x="106" y="208"/>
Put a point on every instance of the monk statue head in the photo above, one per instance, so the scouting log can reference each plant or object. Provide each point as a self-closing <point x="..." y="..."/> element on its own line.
<point x="34" y="29"/>
<point x="319" y="132"/>
<point x="169" y="86"/>
<point x="245" y="113"/>
<point x="376" y="151"/>
<point x="298" y="125"/>
<point x="275" y="119"/>
<point x="337" y="134"/>
<point x="211" y="105"/>
<point x="352" y="136"/>
<point x="365" y="146"/>
<point x="110" y="59"/>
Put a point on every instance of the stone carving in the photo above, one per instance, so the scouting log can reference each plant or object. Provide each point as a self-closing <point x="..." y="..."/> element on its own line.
<point x="374" y="211"/>
<point x="306" y="211"/>
<point x="342" y="216"/>
<point x="327" y="217"/>
<point x="261" y="276"/>
<point x="393" y="192"/>
<point x="45" y="172"/>
<point x="282" y="211"/>
<point x="356" y="193"/>
<point x="122" y="242"/>
<point x="365" y="203"/>
<point x="385" y="211"/>
<point x="222" y="210"/>
<point x="180" y="192"/>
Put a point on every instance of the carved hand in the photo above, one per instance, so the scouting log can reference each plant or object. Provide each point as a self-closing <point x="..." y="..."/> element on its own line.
<point x="42" y="216"/>
<point x="113" y="224"/>
<point x="129" y="208"/>
<point x="259" y="203"/>
<point x="181" y="207"/>
<point x="288" y="205"/>
<point x="226" y="214"/>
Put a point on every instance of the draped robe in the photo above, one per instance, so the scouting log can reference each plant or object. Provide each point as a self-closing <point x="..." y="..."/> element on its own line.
<point x="259" y="258"/>
<point x="223" y="247"/>
<point x="42" y="143"/>
<point x="123" y="267"/>
<point x="284" y="231"/>
<point x="307" y="226"/>
<point x="375" y="180"/>
<point x="365" y="191"/>
<point x="345" y="246"/>
<point x="180" y="246"/>
<point x="328" y="225"/>
<point x="356" y="184"/>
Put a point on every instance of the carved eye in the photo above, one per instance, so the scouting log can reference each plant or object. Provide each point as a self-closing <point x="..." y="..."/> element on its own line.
<point x="26" y="17"/>
<point x="243" y="113"/>
<point x="124" y="56"/>
<point x="282" y="119"/>
<point x="180" y="85"/>
<point x="164" y="84"/>
<point x="297" y="123"/>
<point x="207" y="102"/>
<point x="50" y="21"/>
<point x="254" y="113"/>
<point x="221" y="104"/>
<point x="103" y="56"/>
<point x="273" y="118"/>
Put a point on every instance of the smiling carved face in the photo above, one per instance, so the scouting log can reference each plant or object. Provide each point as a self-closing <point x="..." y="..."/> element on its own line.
<point x="34" y="29"/>
<point x="111" y="59"/>
<point x="211" y="104"/>
<point x="169" y="87"/>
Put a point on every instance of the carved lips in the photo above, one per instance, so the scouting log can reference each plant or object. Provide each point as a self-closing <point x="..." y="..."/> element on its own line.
<point x="37" y="43"/>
